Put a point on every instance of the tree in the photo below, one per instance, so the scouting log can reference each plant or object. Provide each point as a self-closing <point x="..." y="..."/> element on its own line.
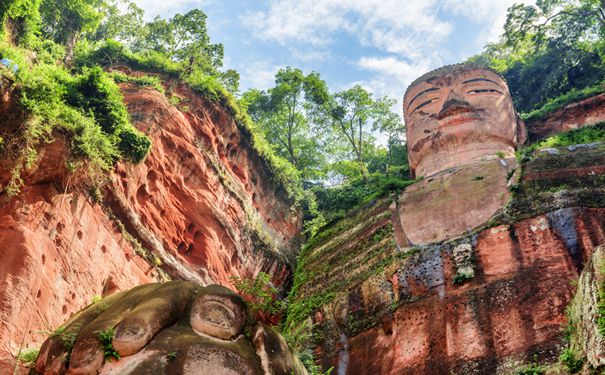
<point x="284" y="113"/>
<point x="548" y="49"/>
<point x="127" y="27"/>
<point x="354" y="114"/>
<point x="184" y="38"/>
<point x="64" y="21"/>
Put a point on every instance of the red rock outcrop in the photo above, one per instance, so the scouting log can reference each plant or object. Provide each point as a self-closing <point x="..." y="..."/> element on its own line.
<point x="485" y="302"/>
<point x="203" y="206"/>
<point x="584" y="112"/>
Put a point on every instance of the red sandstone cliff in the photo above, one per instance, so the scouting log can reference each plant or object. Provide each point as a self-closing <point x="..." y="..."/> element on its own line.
<point x="488" y="302"/>
<point x="588" y="111"/>
<point x="203" y="206"/>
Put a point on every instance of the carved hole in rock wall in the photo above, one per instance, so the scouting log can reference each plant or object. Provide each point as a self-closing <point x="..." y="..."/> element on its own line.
<point x="232" y="136"/>
<point x="190" y="228"/>
<point x="39" y="294"/>
<point x="73" y="296"/>
<point x="238" y="172"/>
<point x="80" y="234"/>
<point x="43" y="259"/>
<point x="233" y="153"/>
<point x="60" y="227"/>
<point x="64" y="309"/>
<point x="127" y="257"/>
<point x="189" y="249"/>
<point x="103" y="249"/>
<point x="254" y="197"/>
<point x="182" y="247"/>
<point x="214" y="133"/>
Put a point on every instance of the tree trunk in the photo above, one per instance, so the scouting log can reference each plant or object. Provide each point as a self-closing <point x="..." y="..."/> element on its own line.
<point x="69" y="47"/>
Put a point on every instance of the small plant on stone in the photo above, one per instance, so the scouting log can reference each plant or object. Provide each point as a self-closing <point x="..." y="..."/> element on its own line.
<point x="261" y="295"/>
<point x="573" y="364"/>
<point x="28" y="357"/>
<point x="170" y="356"/>
<point x="106" y="337"/>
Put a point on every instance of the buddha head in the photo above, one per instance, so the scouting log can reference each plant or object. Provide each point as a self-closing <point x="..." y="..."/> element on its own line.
<point x="459" y="114"/>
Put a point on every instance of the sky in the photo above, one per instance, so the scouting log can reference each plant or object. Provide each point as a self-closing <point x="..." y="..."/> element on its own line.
<point x="381" y="44"/>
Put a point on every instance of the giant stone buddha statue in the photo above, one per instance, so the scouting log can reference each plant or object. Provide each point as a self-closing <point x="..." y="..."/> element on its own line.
<point x="462" y="131"/>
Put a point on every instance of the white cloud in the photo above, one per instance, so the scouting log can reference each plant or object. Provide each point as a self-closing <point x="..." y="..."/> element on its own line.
<point x="491" y="13"/>
<point x="168" y="8"/>
<point x="258" y="74"/>
<point x="389" y="25"/>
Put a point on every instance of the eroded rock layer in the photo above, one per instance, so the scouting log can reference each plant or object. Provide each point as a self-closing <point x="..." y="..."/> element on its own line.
<point x="575" y="115"/>
<point x="485" y="302"/>
<point x="203" y="206"/>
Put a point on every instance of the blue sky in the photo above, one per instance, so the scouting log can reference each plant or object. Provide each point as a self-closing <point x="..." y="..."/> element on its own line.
<point x="381" y="44"/>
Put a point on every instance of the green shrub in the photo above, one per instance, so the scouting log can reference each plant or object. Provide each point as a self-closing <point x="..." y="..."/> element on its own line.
<point x="88" y="108"/>
<point x="28" y="356"/>
<point x="106" y="337"/>
<point x="583" y="135"/>
<point x="568" y="358"/>
<point x="261" y="294"/>
<point x="563" y="100"/>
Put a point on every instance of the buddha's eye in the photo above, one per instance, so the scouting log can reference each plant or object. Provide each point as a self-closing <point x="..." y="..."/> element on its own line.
<point x="424" y="104"/>
<point x="481" y="91"/>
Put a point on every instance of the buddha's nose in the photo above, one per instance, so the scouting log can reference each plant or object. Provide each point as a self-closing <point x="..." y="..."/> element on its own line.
<point x="454" y="104"/>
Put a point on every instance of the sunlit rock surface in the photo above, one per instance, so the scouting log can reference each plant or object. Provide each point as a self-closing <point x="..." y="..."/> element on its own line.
<point x="202" y="206"/>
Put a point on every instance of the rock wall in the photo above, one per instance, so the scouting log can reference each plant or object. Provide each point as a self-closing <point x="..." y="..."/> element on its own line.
<point x="484" y="303"/>
<point x="203" y="206"/>
<point x="575" y="115"/>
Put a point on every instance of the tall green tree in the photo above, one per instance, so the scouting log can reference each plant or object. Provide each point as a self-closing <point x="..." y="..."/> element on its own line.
<point x="185" y="38"/>
<point x="354" y="115"/>
<point x="549" y="48"/>
<point x="64" y="21"/>
<point x="284" y="114"/>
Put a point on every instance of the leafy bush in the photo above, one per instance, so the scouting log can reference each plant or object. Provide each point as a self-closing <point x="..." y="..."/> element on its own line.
<point x="583" y="135"/>
<point x="568" y="358"/>
<point x="28" y="356"/>
<point x="106" y="337"/>
<point x="261" y="294"/>
<point x="87" y="107"/>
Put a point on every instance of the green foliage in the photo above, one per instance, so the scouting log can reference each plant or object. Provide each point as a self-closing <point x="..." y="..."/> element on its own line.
<point x="285" y="115"/>
<point x="559" y="102"/>
<point x="142" y="81"/>
<point x="573" y="364"/>
<point x="532" y="369"/>
<point x="549" y="49"/>
<point x="19" y="20"/>
<point x="334" y="202"/>
<point x="68" y="339"/>
<point x="28" y="356"/>
<point x="170" y="356"/>
<point x="87" y="107"/>
<point x="583" y="135"/>
<point x="106" y="337"/>
<point x="261" y="294"/>
<point x="461" y="278"/>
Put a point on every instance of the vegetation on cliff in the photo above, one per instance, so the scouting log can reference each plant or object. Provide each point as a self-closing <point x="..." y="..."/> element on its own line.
<point x="550" y="49"/>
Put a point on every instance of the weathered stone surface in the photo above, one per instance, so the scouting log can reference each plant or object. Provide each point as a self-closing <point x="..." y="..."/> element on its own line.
<point x="400" y="311"/>
<point x="167" y="316"/>
<point x="203" y="205"/>
<point x="585" y="339"/>
<point x="459" y="117"/>
<point x="575" y="115"/>
<point x="454" y="201"/>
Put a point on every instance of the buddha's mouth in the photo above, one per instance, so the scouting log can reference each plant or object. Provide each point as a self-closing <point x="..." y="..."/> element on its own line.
<point x="458" y="118"/>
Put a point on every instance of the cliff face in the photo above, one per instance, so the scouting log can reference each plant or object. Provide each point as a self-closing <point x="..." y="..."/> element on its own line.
<point x="575" y="115"/>
<point x="485" y="302"/>
<point x="203" y="206"/>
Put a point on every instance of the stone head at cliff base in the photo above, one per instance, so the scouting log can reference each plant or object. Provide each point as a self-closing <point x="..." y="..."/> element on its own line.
<point x="462" y="132"/>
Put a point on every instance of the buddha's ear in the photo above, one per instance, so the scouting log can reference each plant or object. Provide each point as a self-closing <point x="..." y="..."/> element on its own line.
<point x="521" y="132"/>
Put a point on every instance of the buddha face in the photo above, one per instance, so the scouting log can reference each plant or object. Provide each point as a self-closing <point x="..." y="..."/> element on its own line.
<point x="456" y="118"/>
